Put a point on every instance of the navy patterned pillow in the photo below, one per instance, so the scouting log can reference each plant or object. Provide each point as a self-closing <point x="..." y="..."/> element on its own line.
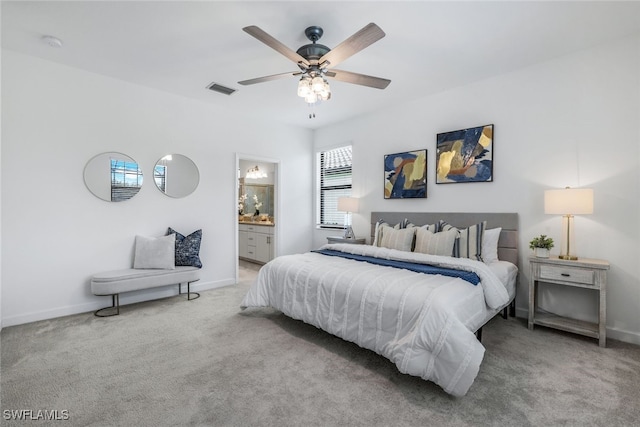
<point x="187" y="248"/>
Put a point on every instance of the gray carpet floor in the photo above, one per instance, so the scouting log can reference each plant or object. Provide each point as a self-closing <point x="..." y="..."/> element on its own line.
<point x="204" y="362"/>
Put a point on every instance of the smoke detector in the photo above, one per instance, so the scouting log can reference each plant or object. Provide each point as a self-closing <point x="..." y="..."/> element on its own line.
<point x="52" y="41"/>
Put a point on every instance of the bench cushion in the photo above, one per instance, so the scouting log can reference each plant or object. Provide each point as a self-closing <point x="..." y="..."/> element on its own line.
<point x="130" y="279"/>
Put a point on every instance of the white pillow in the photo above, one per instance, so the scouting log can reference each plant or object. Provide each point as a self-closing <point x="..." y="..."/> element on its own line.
<point x="155" y="252"/>
<point x="401" y="240"/>
<point x="435" y="244"/>
<point x="490" y="245"/>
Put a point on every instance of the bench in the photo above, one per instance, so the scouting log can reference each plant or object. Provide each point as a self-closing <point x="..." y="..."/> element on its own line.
<point x="115" y="282"/>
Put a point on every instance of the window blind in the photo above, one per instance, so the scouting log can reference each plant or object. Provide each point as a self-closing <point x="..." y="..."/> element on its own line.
<point x="335" y="182"/>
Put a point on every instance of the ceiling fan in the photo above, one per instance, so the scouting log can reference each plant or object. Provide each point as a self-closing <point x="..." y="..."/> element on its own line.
<point x="316" y="61"/>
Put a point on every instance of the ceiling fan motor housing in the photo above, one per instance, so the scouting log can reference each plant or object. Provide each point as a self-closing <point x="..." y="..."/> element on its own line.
<point x="313" y="51"/>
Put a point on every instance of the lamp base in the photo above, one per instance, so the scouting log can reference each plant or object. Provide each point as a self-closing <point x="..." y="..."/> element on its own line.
<point x="348" y="233"/>
<point x="569" y="257"/>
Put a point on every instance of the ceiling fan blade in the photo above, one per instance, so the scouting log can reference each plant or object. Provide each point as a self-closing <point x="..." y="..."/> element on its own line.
<point x="358" y="79"/>
<point x="269" y="78"/>
<point x="274" y="44"/>
<point x="368" y="35"/>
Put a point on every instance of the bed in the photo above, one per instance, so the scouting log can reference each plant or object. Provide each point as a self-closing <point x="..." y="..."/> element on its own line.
<point x="418" y="306"/>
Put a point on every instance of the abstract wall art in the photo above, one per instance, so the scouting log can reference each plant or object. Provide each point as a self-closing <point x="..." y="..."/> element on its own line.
<point x="405" y="175"/>
<point x="465" y="155"/>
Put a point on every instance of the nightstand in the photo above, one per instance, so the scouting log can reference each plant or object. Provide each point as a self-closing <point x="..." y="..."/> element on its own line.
<point x="581" y="273"/>
<point x="340" y="239"/>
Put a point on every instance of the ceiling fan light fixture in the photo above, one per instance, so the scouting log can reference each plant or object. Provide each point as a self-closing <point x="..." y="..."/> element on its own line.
<point x="326" y="91"/>
<point x="304" y="88"/>
<point x="314" y="89"/>
<point x="311" y="98"/>
<point x="317" y="84"/>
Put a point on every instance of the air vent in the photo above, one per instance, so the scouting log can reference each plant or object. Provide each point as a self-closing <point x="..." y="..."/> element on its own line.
<point x="221" y="89"/>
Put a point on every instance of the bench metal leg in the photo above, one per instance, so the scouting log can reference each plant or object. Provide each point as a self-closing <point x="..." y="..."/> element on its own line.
<point x="115" y="303"/>
<point x="114" y="310"/>
<point x="189" y="293"/>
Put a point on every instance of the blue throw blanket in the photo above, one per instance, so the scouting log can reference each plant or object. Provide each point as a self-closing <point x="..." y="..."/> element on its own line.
<point x="420" y="268"/>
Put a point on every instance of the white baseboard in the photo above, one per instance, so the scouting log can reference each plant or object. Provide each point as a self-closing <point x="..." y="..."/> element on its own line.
<point x="613" y="333"/>
<point x="105" y="301"/>
<point x="622" y="335"/>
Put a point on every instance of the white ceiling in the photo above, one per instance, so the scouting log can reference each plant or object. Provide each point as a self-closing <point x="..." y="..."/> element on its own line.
<point x="182" y="47"/>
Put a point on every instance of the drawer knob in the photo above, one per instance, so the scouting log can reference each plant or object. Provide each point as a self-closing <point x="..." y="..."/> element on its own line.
<point x="565" y="274"/>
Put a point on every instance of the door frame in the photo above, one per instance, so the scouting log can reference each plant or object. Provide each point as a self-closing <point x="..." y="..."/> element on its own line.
<point x="276" y="204"/>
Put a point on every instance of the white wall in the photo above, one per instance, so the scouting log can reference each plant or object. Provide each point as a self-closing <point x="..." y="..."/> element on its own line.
<point x="569" y="122"/>
<point x="56" y="233"/>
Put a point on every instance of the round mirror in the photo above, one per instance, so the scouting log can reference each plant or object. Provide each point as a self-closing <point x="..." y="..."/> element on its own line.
<point x="113" y="177"/>
<point x="176" y="175"/>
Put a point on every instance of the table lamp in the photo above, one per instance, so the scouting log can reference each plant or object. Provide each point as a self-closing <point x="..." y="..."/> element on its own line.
<point x="568" y="202"/>
<point x="348" y="205"/>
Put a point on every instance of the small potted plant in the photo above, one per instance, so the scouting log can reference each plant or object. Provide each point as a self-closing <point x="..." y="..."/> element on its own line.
<point x="541" y="245"/>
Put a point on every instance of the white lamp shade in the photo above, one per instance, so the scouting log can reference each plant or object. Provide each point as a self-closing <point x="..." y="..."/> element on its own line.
<point x="569" y="201"/>
<point x="347" y="204"/>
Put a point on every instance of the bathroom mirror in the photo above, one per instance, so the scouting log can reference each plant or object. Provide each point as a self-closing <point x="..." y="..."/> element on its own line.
<point x="113" y="176"/>
<point x="262" y="192"/>
<point x="176" y="175"/>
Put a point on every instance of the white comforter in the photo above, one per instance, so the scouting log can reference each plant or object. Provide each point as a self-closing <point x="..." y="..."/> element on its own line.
<point x="415" y="320"/>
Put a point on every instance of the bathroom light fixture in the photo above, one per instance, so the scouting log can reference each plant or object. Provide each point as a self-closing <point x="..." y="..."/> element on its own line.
<point x="255" y="173"/>
<point x="568" y="202"/>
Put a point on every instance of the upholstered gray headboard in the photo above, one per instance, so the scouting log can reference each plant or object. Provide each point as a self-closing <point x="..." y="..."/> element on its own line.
<point x="507" y="245"/>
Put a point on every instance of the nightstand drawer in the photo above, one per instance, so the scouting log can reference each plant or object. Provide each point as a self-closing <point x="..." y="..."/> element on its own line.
<point x="567" y="274"/>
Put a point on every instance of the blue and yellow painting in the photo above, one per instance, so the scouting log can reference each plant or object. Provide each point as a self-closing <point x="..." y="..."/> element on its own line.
<point x="465" y="155"/>
<point x="405" y="175"/>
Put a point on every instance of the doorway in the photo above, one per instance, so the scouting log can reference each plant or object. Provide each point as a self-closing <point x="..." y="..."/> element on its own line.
<point x="257" y="222"/>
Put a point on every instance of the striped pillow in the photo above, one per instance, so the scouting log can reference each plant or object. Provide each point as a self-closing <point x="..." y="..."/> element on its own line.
<point x="399" y="226"/>
<point x="430" y="227"/>
<point x="401" y="239"/>
<point x="403" y="224"/>
<point x="431" y="243"/>
<point x="469" y="241"/>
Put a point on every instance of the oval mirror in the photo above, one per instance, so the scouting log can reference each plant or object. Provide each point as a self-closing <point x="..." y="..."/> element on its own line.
<point x="176" y="175"/>
<point x="112" y="176"/>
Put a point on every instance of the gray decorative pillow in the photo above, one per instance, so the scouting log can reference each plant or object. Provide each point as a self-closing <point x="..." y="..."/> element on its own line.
<point x="155" y="252"/>
<point x="187" y="248"/>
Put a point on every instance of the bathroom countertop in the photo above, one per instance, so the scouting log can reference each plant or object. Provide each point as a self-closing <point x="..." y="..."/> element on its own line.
<point x="262" y="223"/>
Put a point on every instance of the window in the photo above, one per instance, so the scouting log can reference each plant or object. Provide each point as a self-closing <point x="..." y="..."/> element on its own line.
<point x="335" y="181"/>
